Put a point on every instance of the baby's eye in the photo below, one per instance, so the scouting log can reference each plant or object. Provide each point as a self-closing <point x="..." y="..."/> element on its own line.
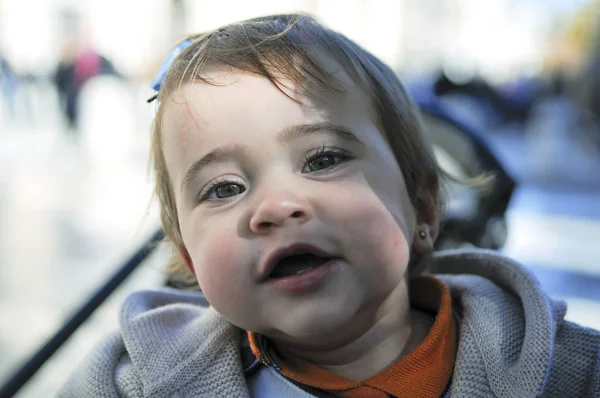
<point x="227" y="190"/>
<point x="321" y="162"/>
<point x="324" y="160"/>
<point x="220" y="191"/>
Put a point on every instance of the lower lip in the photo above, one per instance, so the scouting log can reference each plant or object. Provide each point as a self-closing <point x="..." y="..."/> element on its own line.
<point x="305" y="282"/>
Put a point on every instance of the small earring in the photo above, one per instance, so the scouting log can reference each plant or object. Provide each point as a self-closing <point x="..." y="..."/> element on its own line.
<point x="422" y="234"/>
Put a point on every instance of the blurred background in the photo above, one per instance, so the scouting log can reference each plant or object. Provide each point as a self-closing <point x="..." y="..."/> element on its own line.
<point x="76" y="190"/>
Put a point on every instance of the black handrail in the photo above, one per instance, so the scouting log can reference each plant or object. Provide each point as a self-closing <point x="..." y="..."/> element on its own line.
<point x="22" y="376"/>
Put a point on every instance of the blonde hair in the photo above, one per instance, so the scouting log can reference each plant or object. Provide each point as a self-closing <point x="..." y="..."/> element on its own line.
<point x="287" y="47"/>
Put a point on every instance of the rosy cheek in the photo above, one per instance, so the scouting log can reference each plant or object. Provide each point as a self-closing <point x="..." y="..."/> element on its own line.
<point x="376" y="237"/>
<point x="216" y="261"/>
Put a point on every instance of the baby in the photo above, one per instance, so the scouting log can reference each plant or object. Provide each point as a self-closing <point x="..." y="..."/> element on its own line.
<point x="295" y="183"/>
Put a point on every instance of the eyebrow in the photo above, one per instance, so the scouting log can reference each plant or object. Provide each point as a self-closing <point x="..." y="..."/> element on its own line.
<point x="295" y="132"/>
<point x="289" y="134"/>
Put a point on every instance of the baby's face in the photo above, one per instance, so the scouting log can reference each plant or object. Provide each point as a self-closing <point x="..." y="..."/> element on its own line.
<point x="254" y="172"/>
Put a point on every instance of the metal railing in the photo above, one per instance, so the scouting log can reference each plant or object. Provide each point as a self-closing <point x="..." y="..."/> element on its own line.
<point x="32" y="365"/>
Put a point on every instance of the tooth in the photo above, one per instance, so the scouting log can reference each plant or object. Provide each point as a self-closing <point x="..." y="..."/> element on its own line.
<point x="303" y="270"/>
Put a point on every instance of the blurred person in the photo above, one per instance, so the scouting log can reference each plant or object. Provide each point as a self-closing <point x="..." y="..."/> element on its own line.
<point x="9" y="81"/>
<point x="79" y="63"/>
<point x="297" y="188"/>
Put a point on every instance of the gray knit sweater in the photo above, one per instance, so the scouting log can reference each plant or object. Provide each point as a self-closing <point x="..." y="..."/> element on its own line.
<point x="513" y="342"/>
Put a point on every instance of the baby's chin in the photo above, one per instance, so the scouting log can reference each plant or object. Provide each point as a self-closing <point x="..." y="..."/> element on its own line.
<point x="342" y="311"/>
<point x="321" y="329"/>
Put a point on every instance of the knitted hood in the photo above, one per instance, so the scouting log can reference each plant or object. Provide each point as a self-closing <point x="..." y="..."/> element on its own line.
<point x="513" y="341"/>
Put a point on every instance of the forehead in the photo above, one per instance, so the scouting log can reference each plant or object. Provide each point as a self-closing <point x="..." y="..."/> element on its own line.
<point x="242" y="108"/>
<point x="337" y="89"/>
<point x="199" y="108"/>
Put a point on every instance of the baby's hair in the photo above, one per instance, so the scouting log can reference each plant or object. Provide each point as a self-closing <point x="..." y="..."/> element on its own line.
<point x="290" y="48"/>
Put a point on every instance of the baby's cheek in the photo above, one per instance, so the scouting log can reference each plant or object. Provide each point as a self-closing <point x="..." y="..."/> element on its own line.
<point x="217" y="263"/>
<point x="224" y="271"/>
<point x="377" y="236"/>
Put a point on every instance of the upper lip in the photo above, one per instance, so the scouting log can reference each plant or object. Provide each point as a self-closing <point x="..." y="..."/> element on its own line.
<point x="297" y="248"/>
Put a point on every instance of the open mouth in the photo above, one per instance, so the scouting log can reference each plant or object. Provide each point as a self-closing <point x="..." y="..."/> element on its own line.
<point x="297" y="263"/>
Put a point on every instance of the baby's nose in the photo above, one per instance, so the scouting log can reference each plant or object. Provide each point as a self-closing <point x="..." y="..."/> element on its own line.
<point x="277" y="210"/>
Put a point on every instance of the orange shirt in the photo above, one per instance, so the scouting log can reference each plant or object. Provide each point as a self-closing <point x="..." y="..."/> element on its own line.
<point x="424" y="372"/>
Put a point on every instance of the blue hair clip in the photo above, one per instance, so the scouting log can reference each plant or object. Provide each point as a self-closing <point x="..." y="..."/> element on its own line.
<point x="162" y="72"/>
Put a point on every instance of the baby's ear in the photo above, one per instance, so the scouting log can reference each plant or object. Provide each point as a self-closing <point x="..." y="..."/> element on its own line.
<point x="180" y="271"/>
<point x="186" y="258"/>
<point x="428" y="223"/>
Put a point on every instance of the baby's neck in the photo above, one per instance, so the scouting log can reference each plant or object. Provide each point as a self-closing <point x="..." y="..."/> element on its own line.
<point x="386" y="352"/>
<point x="395" y="334"/>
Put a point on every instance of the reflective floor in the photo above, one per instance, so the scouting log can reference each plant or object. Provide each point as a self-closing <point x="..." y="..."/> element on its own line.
<point x="73" y="205"/>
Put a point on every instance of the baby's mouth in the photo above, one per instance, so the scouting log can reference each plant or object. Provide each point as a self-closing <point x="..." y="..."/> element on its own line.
<point x="297" y="264"/>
